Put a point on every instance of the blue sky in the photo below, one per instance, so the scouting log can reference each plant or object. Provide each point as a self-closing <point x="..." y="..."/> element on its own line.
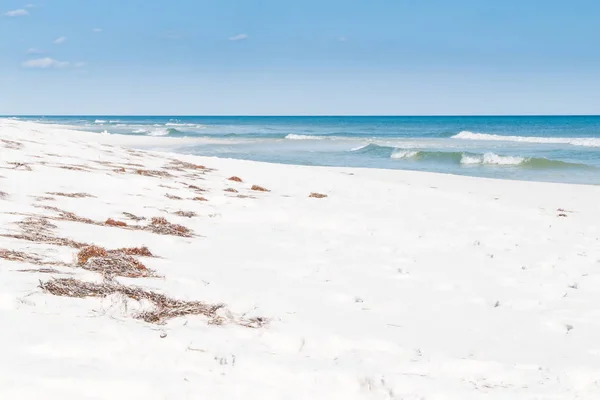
<point x="395" y="57"/>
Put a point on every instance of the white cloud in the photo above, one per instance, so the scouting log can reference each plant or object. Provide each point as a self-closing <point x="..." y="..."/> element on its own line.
<point x="17" y="13"/>
<point x="241" y="36"/>
<point x="80" y="64"/>
<point x="97" y="30"/>
<point x="60" y="40"/>
<point x="34" y="51"/>
<point x="46" y="62"/>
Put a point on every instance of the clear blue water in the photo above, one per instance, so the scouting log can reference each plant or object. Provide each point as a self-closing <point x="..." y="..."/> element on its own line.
<point x="540" y="148"/>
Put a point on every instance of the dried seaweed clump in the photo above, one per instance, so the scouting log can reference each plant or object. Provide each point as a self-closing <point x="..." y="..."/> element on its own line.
<point x="230" y="190"/>
<point x="196" y="188"/>
<point x="68" y="216"/>
<point x="9" y="144"/>
<point x="179" y="165"/>
<point x="113" y="262"/>
<point x="172" y="197"/>
<point x="89" y="252"/>
<point x="73" y="195"/>
<point x="163" y="227"/>
<point x="259" y="188"/>
<point x="188" y="214"/>
<point x="235" y="179"/>
<point x="12" y="255"/>
<point x="133" y="216"/>
<point x="317" y="195"/>
<point x="200" y="198"/>
<point x="20" y="165"/>
<point x="118" y="264"/>
<point x="112" y="222"/>
<point x="3" y="195"/>
<point x="135" y="251"/>
<point x="75" y="168"/>
<point x="165" y="307"/>
<point x="153" y="173"/>
<point x="39" y="230"/>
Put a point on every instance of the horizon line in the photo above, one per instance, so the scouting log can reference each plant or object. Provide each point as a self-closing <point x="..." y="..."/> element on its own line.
<point x="295" y="115"/>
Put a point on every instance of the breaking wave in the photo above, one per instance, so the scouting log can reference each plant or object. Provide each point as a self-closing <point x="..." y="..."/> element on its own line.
<point x="588" y="142"/>
<point x="293" y="136"/>
<point x="160" y="132"/>
<point x="465" y="159"/>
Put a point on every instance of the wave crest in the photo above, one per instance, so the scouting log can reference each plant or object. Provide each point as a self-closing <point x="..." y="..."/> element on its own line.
<point x="588" y="142"/>
<point x="294" y="136"/>
<point x="398" y="153"/>
<point x="491" y="159"/>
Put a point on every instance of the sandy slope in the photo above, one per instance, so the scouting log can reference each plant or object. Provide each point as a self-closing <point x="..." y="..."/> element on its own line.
<point x="399" y="285"/>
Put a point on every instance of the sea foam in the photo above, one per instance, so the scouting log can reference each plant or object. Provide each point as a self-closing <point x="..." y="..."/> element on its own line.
<point x="293" y="136"/>
<point x="491" y="159"/>
<point x="589" y="142"/>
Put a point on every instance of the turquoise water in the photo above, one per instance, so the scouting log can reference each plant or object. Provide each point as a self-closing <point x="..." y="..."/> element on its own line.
<point x="555" y="149"/>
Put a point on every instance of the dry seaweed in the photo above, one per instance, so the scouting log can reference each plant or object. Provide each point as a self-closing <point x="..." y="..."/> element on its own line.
<point x="72" y="195"/>
<point x="161" y="226"/>
<point x="259" y="188"/>
<point x="165" y="308"/>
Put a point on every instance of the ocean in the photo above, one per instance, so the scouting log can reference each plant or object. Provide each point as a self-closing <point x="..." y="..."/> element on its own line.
<point x="536" y="148"/>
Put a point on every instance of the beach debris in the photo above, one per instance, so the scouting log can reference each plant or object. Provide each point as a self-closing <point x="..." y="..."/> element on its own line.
<point x="120" y="170"/>
<point x="574" y="286"/>
<point x="161" y="226"/>
<point x="188" y="214"/>
<point x="172" y="197"/>
<point x="9" y="144"/>
<point x="164" y="308"/>
<point x="12" y="255"/>
<point x="90" y="251"/>
<point x="68" y="216"/>
<point x="231" y="190"/>
<point x="200" y="198"/>
<point x="113" y="262"/>
<point x="75" y="168"/>
<point x="3" y="195"/>
<point x="317" y="195"/>
<point x="133" y="216"/>
<point x="72" y="195"/>
<point x="562" y="215"/>
<point x="44" y="271"/>
<point x="19" y="256"/>
<point x="235" y="179"/>
<point x="39" y="230"/>
<point x="112" y="222"/>
<point x="135" y="251"/>
<point x="179" y="165"/>
<point x="196" y="188"/>
<point x="118" y="264"/>
<point x="259" y="188"/>
<point x="245" y="196"/>
<point x="568" y="327"/>
<point x="153" y="173"/>
<point x="20" y="165"/>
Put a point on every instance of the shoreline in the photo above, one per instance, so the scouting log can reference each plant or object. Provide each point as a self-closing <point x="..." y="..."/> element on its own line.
<point x="398" y="284"/>
<point x="164" y="145"/>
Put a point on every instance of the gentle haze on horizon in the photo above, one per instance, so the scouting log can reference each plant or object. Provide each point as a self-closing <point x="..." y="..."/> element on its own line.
<point x="274" y="57"/>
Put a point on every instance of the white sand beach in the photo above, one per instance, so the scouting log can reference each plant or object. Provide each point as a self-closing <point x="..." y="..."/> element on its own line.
<point x="397" y="285"/>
